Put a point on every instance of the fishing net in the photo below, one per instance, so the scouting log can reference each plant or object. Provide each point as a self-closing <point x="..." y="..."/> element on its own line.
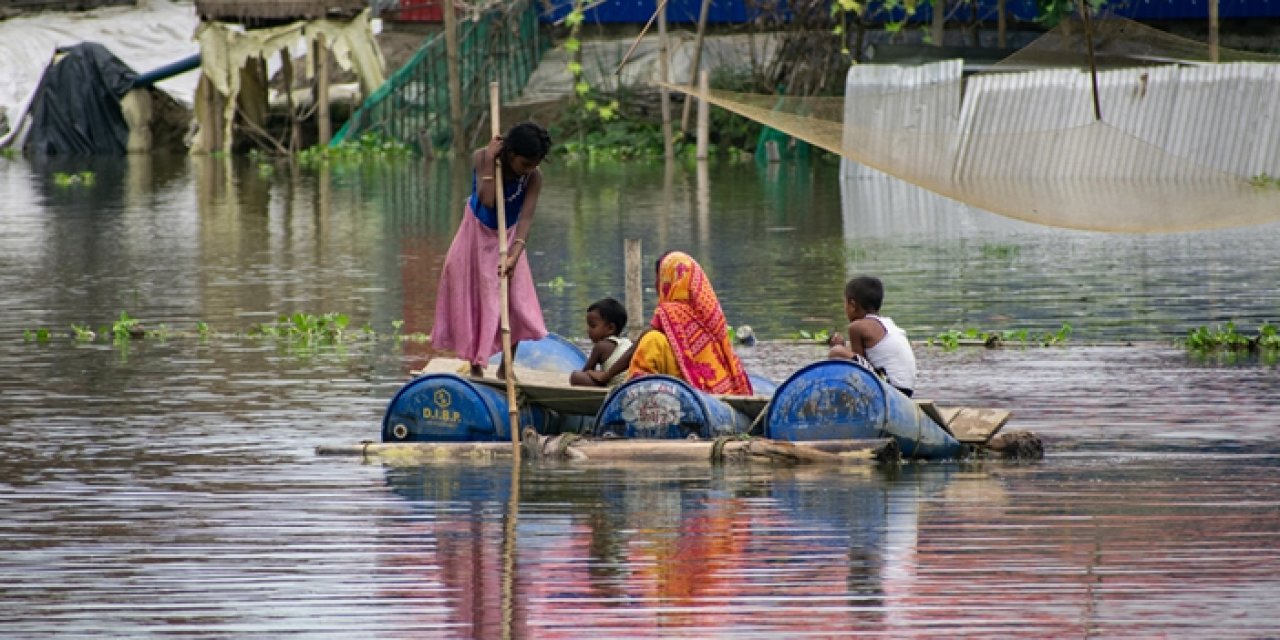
<point x="1175" y="143"/>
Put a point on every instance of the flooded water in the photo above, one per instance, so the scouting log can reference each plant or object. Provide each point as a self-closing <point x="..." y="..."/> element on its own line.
<point x="170" y="487"/>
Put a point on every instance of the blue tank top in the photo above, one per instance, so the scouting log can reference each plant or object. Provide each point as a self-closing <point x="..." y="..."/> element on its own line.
<point x="515" y="201"/>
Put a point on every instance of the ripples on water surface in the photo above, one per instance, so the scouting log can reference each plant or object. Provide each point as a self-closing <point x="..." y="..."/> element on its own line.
<point x="170" y="489"/>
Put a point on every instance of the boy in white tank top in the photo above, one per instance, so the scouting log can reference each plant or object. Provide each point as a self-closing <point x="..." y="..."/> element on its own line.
<point x="875" y="338"/>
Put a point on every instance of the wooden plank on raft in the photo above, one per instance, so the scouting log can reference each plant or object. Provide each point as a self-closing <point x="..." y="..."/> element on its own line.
<point x="930" y="409"/>
<point x="545" y="388"/>
<point x="972" y="425"/>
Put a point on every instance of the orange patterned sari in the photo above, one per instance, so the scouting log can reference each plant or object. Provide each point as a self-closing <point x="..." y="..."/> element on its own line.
<point x="694" y="336"/>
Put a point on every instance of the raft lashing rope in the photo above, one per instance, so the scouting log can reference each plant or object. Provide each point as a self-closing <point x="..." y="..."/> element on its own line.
<point x="1183" y="143"/>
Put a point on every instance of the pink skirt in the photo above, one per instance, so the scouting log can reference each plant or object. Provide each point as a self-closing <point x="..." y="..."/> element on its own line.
<point x="468" y="312"/>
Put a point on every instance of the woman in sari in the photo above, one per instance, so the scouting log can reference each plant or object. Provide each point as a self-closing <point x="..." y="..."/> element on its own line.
<point x="688" y="337"/>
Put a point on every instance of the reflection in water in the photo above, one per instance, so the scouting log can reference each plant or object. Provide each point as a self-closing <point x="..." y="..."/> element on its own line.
<point x="643" y="551"/>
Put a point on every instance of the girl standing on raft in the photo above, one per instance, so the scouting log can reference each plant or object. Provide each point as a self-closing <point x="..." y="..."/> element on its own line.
<point x="468" y="311"/>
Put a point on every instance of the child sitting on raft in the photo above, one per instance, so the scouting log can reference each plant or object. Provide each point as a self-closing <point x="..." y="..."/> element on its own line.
<point x="606" y="318"/>
<point x="874" y="337"/>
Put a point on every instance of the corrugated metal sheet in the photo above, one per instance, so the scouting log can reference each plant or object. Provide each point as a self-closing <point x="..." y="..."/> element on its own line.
<point x="1160" y="122"/>
<point x="917" y="106"/>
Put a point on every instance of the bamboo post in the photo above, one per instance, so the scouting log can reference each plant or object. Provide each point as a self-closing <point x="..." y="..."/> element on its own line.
<point x="1093" y="65"/>
<point x="704" y="114"/>
<point x="513" y="411"/>
<point x="1002" y="23"/>
<point x="634" y="284"/>
<point x="322" y="90"/>
<point x="454" y="78"/>
<point x="286" y="70"/>
<point x="1213" y="31"/>
<point x="697" y="61"/>
<point x="937" y="28"/>
<point x="668" y="147"/>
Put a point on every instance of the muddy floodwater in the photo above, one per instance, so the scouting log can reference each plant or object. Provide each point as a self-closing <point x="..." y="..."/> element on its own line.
<point x="168" y="486"/>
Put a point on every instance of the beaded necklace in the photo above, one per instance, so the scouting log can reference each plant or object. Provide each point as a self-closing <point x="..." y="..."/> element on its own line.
<point x="519" y="188"/>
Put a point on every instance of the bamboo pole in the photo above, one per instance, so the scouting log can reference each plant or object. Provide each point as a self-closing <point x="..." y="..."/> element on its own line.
<point x="1002" y="23"/>
<point x="459" y="140"/>
<point x="664" y="70"/>
<point x="937" y="28"/>
<point x="696" y="68"/>
<point x="1213" y="31"/>
<point x="509" y="521"/>
<point x="635" y="43"/>
<point x="322" y="90"/>
<point x="295" y="131"/>
<point x="632" y="261"/>
<point x="704" y="115"/>
<point x="571" y="447"/>
<point x="1093" y="65"/>
<point x="513" y="411"/>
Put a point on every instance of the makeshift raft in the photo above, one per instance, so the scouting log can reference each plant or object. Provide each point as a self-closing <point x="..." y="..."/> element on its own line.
<point x="828" y="401"/>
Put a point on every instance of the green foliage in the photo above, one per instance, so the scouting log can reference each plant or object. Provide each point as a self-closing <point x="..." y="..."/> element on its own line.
<point x="953" y="338"/>
<point x="9" y="153"/>
<point x="125" y="328"/>
<point x="1226" y="339"/>
<point x="1265" y="181"/>
<point x="296" y="329"/>
<point x="556" y="284"/>
<point x="822" y="336"/>
<point x="1001" y="251"/>
<point x="369" y="147"/>
<point x="36" y="335"/>
<point x="68" y="180"/>
<point x="304" y="327"/>
<point x="599" y="128"/>
<point x="1053" y="11"/>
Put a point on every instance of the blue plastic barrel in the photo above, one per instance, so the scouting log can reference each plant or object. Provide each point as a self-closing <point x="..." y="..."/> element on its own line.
<point x="442" y="407"/>
<point x="552" y="353"/>
<point x="663" y="407"/>
<point x="840" y="400"/>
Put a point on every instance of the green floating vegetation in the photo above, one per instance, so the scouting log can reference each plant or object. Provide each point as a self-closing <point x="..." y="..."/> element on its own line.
<point x="1265" y="181"/>
<point x="368" y="147"/>
<point x="1001" y="251"/>
<point x="81" y="179"/>
<point x="821" y="335"/>
<point x="955" y="338"/>
<point x="293" y="329"/>
<point x="1227" y="340"/>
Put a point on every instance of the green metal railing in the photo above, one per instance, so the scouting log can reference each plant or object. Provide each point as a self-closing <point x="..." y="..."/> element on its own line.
<point x="413" y="105"/>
